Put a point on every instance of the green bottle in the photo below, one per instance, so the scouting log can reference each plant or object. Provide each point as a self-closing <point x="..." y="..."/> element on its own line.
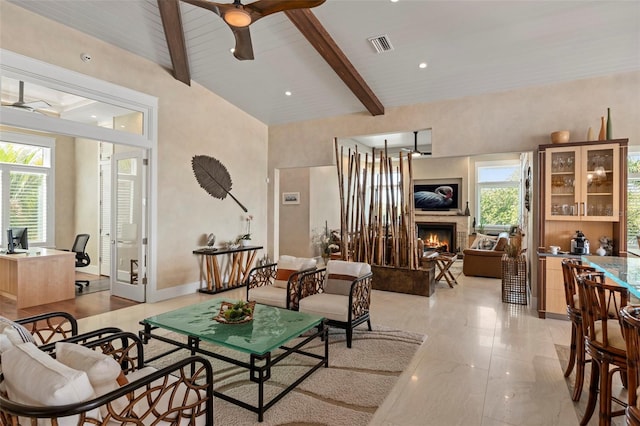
<point x="609" y="129"/>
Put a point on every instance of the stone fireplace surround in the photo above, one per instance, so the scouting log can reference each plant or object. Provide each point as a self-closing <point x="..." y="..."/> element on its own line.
<point x="461" y="222"/>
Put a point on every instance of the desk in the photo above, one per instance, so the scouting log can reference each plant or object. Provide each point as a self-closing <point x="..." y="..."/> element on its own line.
<point x="239" y="265"/>
<point x="624" y="271"/>
<point x="33" y="280"/>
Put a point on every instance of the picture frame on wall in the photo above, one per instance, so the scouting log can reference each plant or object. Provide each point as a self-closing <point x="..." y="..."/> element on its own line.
<point x="290" y="198"/>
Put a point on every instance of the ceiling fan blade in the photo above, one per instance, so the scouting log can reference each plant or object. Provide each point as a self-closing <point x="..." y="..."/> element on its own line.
<point x="262" y="8"/>
<point x="243" y="50"/>
<point x="217" y="8"/>
<point x="36" y="104"/>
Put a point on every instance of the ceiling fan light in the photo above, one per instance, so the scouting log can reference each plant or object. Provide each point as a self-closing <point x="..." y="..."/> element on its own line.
<point x="237" y="18"/>
<point x="415" y="154"/>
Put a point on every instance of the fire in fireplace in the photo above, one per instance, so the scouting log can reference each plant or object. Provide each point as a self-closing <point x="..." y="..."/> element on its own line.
<point x="438" y="236"/>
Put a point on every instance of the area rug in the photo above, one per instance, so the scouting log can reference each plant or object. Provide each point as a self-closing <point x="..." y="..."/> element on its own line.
<point x="347" y="393"/>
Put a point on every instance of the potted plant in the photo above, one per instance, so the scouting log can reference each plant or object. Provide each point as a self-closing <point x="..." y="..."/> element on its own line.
<point x="245" y="239"/>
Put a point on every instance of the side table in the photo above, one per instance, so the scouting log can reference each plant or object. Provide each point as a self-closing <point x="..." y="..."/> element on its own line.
<point x="240" y="267"/>
<point x="444" y="260"/>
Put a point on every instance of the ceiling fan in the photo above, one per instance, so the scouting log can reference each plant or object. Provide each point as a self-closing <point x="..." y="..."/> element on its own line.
<point x="415" y="152"/>
<point x="29" y="106"/>
<point x="238" y="17"/>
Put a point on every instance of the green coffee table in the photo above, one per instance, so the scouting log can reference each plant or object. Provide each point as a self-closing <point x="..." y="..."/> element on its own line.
<point x="271" y="328"/>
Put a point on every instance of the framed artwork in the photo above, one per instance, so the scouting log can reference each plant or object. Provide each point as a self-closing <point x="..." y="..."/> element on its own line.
<point x="290" y="198"/>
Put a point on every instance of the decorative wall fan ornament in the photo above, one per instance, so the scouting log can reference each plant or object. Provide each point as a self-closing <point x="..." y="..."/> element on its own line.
<point x="239" y="16"/>
<point x="213" y="177"/>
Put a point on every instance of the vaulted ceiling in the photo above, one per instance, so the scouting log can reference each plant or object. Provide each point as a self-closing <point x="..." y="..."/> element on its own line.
<point x="323" y="56"/>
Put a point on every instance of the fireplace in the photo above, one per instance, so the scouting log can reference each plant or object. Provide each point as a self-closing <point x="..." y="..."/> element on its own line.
<point x="438" y="236"/>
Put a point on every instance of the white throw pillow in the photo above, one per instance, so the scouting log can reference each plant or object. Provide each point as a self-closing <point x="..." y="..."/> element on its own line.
<point x="102" y="370"/>
<point x="15" y="332"/>
<point x="483" y="241"/>
<point x="287" y="265"/>
<point x="32" y="377"/>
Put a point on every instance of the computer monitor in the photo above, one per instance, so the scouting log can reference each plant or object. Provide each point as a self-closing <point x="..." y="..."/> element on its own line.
<point x="17" y="238"/>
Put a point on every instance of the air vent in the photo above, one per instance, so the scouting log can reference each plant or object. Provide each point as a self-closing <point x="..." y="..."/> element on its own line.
<point x="381" y="43"/>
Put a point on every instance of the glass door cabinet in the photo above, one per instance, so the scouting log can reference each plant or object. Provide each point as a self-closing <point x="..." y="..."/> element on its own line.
<point x="583" y="183"/>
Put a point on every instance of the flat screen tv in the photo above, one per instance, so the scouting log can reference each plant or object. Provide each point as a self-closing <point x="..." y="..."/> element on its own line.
<point x="437" y="196"/>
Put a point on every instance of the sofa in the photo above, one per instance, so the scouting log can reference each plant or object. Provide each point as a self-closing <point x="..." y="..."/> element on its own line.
<point x="484" y="257"/>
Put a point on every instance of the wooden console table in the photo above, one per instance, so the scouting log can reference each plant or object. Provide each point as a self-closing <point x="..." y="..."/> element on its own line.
<point x="240" y="267"/>
<point x="35" y="279"/>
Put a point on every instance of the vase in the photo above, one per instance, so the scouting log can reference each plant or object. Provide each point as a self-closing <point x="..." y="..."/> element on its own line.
<point x="609" y="128"/>
<point x="590" y="134"/>
<point x="245" y="243"/>
<point x="466" y="210"/>
<point x="601" y="135"/>
<point x="601" y="251"/>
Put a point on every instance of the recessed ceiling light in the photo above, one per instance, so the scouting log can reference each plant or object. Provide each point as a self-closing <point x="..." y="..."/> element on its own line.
<point x="288" y="93"/>
<point x="233" y="49"/>
<point x="93" y="116"/>
<point x="394" y="1"/>
<point x="122" y="125"/>
<point x="422" y="65"/>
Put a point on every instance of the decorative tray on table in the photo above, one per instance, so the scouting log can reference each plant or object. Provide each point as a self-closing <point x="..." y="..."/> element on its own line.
<point x="235" y="313"/>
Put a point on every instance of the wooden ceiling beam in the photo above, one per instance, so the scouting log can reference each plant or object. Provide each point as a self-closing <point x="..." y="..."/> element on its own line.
<point x="172" y="23"/>
<point x="312" y="29"/>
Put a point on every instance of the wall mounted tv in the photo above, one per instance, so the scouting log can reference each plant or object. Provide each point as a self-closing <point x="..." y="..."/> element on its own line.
<point x="437" y="195"/>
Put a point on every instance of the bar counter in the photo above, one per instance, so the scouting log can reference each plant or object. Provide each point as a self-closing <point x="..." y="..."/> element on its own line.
<point x="624" y="271"/>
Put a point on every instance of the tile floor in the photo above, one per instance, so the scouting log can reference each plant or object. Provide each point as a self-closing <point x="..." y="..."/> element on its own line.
<point x="483" y="363"/>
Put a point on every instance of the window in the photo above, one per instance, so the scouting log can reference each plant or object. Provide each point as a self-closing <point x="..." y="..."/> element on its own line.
<point x="633" y="200"/>
<point x="498" y="194"/>
<point x="26" y="186"/>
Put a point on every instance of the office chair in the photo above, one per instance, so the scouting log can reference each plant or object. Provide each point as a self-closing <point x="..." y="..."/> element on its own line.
<point x="82" y="257"/>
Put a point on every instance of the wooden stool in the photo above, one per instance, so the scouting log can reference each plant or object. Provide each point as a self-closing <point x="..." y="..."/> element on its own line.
<point x="444" y="261"/>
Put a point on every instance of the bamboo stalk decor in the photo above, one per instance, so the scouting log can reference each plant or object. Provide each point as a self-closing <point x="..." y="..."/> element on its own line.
<point x="376" y="209"/>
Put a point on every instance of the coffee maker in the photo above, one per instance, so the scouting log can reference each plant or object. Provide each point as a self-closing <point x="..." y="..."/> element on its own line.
<point x="579" y="244"/>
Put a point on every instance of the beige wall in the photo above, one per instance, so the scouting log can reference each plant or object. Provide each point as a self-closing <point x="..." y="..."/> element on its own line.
<point x="191" y="121"/>
<point x="294" y="218"/>
<point x="87" y="192"/>
<point x="514" y="121"/>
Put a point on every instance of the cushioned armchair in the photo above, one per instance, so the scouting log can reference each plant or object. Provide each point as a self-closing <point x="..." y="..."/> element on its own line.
<point x="103" y="382"/>
<point x="276" y="284"/>
<point x="341" y="293"/>
<point x="45" y="328"/>
<point x="484" y="258"/>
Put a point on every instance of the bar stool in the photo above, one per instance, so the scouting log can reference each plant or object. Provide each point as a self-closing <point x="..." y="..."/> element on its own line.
<point x="571" y="269"/>
<point x="631" y="329"/>
<point x="600" y="304"/>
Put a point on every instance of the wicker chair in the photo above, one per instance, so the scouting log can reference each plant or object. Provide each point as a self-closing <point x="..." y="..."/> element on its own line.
<point x="181" y="393"/>
<point x="571" y="269"/>
<point x="52" y="326"/>
<point x="341" y="293"/>
<point x="276" y="284"/>
<point x="604" y="342"/>
<point x="631" y="329"/>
